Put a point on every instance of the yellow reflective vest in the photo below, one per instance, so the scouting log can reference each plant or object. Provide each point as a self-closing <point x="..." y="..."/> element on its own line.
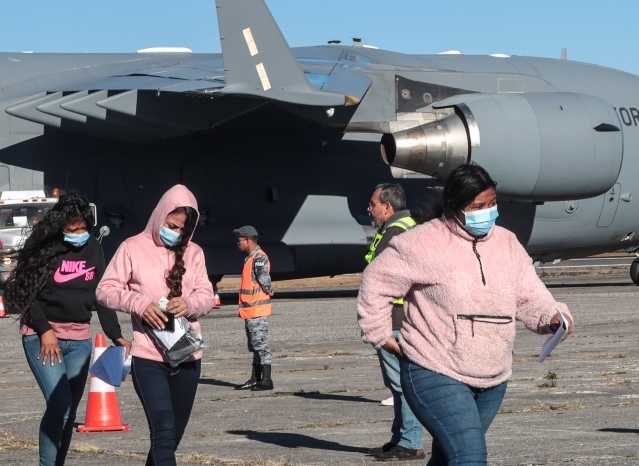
<point x="405" y="223"/>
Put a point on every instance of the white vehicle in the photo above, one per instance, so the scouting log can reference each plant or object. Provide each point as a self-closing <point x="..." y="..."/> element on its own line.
<point x="19" y="211"/>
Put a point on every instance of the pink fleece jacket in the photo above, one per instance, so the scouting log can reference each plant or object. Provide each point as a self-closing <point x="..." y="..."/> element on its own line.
<point x="434" y="266"/>
<point x="135" y="276"/>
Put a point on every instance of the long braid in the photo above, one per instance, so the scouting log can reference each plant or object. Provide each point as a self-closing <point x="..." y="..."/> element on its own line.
<point x="174" y="276"/>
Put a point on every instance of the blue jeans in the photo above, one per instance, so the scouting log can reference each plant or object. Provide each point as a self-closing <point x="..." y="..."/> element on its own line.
<point x="62" y="386"/>
<point x="406" y="429"/>
<point x="455" y="414"/>
<point x="167" y="395"/>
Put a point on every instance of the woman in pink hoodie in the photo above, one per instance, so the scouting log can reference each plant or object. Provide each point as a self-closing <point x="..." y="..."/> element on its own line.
<point x="465" y="282"/>
<point x="162" y="261"/>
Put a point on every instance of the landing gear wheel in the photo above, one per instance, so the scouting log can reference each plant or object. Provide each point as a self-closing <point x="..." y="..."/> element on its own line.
<point x="634" y="271"/>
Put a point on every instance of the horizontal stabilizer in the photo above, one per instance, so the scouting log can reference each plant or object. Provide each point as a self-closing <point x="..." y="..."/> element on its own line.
<point x="258" y="60"/>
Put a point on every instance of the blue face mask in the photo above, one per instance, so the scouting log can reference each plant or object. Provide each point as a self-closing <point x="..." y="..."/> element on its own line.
<point x="77" y="239"/>
<point x="169" y="237"/>
<point x="479" y="222"/>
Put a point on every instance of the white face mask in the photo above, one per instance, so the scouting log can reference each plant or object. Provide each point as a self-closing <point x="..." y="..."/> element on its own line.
<point x="479" y="222"/>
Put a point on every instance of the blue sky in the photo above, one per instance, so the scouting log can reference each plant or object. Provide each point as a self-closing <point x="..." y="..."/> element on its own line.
<point x="604" y="33"/>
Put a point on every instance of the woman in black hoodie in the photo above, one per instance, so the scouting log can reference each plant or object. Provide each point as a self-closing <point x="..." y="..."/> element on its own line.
<point x="52" y="289"/>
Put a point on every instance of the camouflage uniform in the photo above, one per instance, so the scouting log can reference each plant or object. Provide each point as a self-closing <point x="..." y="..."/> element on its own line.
<point x="257" y="336"/>
<point x="257" y="328"/>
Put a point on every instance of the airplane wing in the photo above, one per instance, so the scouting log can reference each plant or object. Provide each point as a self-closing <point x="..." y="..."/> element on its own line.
<point x="171" y="95"/>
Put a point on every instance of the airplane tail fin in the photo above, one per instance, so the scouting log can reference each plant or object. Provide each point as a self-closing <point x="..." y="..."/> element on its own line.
<point x="258" y="60"/>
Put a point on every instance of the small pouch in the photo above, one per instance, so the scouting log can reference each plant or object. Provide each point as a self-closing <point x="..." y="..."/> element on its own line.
<point x="182" y="342"/>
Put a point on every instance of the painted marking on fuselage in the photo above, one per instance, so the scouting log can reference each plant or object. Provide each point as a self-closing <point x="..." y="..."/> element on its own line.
<point x="250" y="42"/>
<point x="629" y="116"/>
<point x="261" y="72"/>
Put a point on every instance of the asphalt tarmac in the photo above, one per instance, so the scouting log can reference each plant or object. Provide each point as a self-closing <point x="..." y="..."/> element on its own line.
<point x="580" y="406"/>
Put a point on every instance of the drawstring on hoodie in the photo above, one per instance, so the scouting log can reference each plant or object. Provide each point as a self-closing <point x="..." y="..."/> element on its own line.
<point x="481" y="269"/>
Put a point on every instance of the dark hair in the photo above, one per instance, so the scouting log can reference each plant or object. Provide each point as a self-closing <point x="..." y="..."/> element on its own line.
<point x="463" y="185"/>
<point x="34" y="259"/>
<point x="392" y="193"/>
<point x="174" y="276"/>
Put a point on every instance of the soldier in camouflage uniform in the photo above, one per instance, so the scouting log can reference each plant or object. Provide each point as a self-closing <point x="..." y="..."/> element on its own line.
<point x="256" y="290"/>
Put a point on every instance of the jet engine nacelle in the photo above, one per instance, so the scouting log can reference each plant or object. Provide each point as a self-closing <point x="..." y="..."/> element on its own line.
<point x="537" y="147"/>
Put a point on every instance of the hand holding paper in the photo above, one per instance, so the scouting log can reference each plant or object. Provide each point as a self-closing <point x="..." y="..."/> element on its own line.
<point x="553" y="341"/>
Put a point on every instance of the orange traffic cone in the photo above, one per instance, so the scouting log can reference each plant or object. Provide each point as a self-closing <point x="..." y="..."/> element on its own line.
<point x="103" y="413"/>
<point x="216" y="298"/>
<point x="3" y="313"/>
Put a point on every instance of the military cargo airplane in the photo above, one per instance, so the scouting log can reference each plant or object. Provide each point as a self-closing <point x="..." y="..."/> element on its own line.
<point x="289" y="140"/>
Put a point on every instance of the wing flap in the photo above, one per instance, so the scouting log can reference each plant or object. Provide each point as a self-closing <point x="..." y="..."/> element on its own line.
<point x="87" y="105"/>
<point x="55" y="107"/>
<point x="28" y="110"/>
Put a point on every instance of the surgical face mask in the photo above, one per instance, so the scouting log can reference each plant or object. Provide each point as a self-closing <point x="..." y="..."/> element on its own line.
<point x="169" y="237"/>
<point x="77" y="239"/>
<point x="479" y="222"/>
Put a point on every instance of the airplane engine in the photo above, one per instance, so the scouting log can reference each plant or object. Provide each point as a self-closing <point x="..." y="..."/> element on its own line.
<point x="538" y="146"/>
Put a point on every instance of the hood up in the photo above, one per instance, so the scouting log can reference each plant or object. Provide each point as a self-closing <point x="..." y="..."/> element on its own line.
<point x="177" y="196"/>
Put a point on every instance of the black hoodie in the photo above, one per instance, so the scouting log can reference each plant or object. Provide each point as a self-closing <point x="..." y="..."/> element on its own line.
<point x="69" y="293"/>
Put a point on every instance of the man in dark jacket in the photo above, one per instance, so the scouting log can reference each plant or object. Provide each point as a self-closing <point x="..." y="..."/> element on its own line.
<point x="387" y="210"/>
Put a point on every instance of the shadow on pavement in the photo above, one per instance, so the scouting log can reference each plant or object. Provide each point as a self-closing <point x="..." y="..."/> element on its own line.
<point x="333" y="397"/>
<point x="617" y="430"/>
<point x="219" y="383"/>
<point x="288" y="440"/>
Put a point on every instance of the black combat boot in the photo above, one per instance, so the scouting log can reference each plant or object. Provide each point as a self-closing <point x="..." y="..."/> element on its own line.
<point x="265" y="383"/>
<point x="255" y="378"/>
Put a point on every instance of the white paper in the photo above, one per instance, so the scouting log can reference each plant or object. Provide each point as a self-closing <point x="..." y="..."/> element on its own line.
<point x="126" y="368"/>
<point x="162" y="304"/>
<point x="553" y="341"/>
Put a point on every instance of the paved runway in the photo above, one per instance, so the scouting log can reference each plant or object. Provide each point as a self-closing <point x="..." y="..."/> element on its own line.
<point x="581" y="406"/>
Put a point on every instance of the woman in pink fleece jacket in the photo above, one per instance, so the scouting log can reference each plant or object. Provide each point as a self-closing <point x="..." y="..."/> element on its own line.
<point x="465" y="282"/>
<point x="161" y="262"/>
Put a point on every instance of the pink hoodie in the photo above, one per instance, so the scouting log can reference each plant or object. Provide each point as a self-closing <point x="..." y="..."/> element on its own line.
<point x="135" y="276"/>
<point x="434" y="266"/>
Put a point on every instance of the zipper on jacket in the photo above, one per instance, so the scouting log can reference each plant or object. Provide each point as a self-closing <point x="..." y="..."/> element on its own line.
<point x="481" y="269"/>
<point x="497" y="320"/>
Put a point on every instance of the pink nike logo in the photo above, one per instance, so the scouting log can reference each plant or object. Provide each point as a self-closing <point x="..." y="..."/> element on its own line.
<point x="74" y="269"/>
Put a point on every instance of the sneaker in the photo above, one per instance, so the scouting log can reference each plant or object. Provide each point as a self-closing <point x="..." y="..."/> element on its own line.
<point x="388" y="401"/>
<point x="383" y="449"/>
<point x="399" y="453"/>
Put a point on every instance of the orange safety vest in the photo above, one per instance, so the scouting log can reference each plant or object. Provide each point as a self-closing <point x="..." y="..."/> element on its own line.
<point x="254" y="301"/>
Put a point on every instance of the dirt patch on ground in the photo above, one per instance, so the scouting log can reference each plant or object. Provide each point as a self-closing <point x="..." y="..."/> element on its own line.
<point x="353" y="281"/>
<point x="349" y="281"/>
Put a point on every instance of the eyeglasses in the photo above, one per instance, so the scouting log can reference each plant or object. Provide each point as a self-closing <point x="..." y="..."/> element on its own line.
<point x="372" y="204"/>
